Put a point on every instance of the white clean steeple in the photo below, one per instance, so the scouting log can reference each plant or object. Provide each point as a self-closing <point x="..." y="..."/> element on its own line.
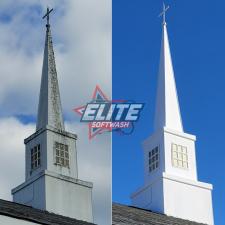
<point x="171" y="184"/>
<point x="167" y="112"/>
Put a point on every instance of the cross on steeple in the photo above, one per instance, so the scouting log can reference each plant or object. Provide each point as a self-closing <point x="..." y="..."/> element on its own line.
<point x="163" y="13"/>
<point x="47" y="15"/>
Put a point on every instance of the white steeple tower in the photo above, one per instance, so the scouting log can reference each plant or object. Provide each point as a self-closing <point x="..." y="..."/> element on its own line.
<point x="52" y="182"/>
<point x="171" y="185"/>
<point x="167" y="112"/>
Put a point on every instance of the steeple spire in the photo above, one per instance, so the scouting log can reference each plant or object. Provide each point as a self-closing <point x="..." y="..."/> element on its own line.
<point x="170" y="173"/>
<point x="49" y="108"/>
<point x="51" y="155"/>
<point x="167" y="113"/>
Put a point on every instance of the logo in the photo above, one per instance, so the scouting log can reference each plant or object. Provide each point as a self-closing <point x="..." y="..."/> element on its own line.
<point x="104" y="115"/>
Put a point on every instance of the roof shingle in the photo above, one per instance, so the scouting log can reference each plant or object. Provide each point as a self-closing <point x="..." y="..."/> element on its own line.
<point x="23" y="212"/>
<point x="123" y="215"/>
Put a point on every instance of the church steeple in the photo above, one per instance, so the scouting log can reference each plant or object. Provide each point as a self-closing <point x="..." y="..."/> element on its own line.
<point x="51" y="170"/>
<point x="167" y="112"/>
<point x="171" y="184"/>
<point x="49" y="108"/>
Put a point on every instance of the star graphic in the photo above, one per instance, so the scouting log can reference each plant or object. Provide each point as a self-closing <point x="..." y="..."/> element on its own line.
<point x="98" y="95"/>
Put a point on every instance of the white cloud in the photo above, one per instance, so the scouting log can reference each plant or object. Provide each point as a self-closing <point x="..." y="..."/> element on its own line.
<point x="12" y="166"/>
<point x="82" y="40"/>
<point x="94" y="162"/>
<point x="81" y="32"/>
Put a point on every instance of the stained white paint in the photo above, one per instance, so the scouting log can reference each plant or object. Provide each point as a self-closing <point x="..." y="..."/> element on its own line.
<point x="58" y="194"/>
<point x="53" y="187"/>
<point x="49" y="108"/>
<point x="47" y="138"/>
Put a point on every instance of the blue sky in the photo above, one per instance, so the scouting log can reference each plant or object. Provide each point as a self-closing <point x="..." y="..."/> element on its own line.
<point x="196" y="33"/>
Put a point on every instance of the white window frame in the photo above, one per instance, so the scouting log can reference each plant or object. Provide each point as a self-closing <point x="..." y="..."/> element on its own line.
<point x="179" y="156"/>
<point x="153" y="159"/>
<point x="62" y="157"/>
<point x="35" y="154"/>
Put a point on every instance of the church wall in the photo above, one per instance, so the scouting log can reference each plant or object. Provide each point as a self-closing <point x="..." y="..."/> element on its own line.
<point x="155" y="140"/>
<point x="186" y="200"/>
<point x="150" y="197"/>
<point x="53" y="137"/>
<point x="14" y="221"/>
<point x="171" y="137"/>
<point x="31" y="193"/>
<point x="38" y="139"/>
<point x="68" y="198"/>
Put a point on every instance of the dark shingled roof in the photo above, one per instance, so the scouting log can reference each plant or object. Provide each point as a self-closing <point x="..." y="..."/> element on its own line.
<point x="134" y="216"/>
<point x="121" y="215"/>
<point x="23" y="212"/>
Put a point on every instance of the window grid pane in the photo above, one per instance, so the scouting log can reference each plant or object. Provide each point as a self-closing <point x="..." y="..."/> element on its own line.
<point x="179" y="156"/>
<point x="153" y="159"/>
<point x="62" y="154"/>
<point x="35" y="157"/>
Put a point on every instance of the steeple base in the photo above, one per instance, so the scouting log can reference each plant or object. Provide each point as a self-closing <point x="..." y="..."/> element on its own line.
<point x="57" y="194"/>
<point x="177" y="197"/>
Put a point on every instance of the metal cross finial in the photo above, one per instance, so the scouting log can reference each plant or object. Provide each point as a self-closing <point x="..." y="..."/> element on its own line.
<point x="163" y="13"/>
<point x="47" y="15"/>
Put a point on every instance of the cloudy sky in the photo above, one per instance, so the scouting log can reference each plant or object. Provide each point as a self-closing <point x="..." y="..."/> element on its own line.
<point x="81" y="32"/>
